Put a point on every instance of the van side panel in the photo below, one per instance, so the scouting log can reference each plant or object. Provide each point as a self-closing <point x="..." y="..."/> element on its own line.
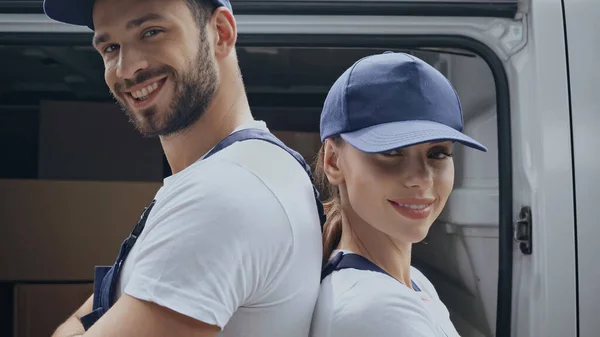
<point x="582" y="30"/>
<point x="544" y="283"/>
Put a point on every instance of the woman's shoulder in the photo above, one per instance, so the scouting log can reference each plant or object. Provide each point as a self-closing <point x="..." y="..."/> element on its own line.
<point x="367" y="303"/>
<point x="368" y="289"/>
<point x="352" y="283"/>
<point x="423" y="283"/>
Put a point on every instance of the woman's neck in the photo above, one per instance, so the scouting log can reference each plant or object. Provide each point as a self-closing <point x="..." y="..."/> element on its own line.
<point x="361" y="238"/>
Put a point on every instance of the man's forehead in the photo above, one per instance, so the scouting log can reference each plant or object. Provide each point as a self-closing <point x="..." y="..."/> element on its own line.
<point x="121" y="12"/>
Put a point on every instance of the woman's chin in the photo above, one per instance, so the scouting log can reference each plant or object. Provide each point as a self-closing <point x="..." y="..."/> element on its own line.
<point x="412" y="235"/>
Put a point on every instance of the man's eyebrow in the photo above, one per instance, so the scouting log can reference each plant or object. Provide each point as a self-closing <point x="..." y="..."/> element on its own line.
<point x="131" y="24"/>
<point x="138" y="22"/>
<point x="100" y="39"/>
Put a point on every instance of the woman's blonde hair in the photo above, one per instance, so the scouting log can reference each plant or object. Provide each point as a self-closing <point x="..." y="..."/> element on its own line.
<point x="332" y="229"/>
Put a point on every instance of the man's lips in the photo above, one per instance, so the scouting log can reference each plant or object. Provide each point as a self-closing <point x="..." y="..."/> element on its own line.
<point x="144" y="84"/>
<point x="143" y="95"/>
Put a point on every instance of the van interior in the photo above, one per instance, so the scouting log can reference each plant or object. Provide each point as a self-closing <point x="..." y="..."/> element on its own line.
<point x="75" y="175"/>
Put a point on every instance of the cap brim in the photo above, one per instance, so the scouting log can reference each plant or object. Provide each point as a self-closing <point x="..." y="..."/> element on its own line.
<point x="389" y="136"/>
<point x="79" y="12"/>
<point x="74" y="12"/>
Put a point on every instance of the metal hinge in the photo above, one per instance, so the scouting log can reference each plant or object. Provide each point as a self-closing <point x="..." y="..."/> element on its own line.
<point x="522" y="230"/>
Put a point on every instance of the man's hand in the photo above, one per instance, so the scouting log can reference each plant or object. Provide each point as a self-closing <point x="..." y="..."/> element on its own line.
<point x="130" y="317"/>
<point x="72" y="327"/>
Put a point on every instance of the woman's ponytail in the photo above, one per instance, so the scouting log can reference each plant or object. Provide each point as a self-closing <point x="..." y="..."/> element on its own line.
<point x="332" y="229"/>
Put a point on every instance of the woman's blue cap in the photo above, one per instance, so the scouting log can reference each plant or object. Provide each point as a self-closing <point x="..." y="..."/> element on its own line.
<point x="390" y="101"/>
<point x="79" y="12"/>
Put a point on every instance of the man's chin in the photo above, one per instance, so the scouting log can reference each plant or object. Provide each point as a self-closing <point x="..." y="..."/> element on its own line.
<point x="145" y="123"/>
<point x="148" y="128"/>
<point x="148" y="132"/>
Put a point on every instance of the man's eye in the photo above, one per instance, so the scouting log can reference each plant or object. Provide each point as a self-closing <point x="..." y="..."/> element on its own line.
<point x="151" y="32"/>
<point x="110" y="48"/>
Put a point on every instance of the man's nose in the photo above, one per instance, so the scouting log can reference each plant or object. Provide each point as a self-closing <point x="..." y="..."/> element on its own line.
<point x="130" y="63"/>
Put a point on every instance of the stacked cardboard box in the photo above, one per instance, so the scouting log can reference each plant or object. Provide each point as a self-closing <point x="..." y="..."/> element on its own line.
<point x="96" y="174"/>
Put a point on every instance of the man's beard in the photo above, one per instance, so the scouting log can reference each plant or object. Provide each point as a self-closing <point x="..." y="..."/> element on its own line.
<point x="195" y="88"/>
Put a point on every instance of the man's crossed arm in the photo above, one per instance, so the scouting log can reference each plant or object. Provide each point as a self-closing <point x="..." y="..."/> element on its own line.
<point x="133" y="317"/>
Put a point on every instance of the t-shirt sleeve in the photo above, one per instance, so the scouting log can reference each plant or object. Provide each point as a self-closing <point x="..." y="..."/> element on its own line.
<point x="214" y="243"/>
<point x="374" y="312"/>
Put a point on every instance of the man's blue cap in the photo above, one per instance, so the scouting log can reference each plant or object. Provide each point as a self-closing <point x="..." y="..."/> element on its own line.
<point x="79" y="12"/>
<point x="393" y="100"/>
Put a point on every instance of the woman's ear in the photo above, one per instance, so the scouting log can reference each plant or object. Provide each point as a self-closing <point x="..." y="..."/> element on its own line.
<point x="331" y="163"/>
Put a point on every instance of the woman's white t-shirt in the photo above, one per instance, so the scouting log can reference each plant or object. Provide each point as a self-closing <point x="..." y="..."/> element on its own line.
<point x="362" y="303"/>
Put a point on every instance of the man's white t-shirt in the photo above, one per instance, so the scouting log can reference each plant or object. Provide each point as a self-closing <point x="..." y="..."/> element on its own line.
<point x="363" y="303"/>
<point x="234" y="240"/>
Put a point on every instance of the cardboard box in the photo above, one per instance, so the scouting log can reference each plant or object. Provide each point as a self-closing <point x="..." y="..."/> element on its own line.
<point x="59" y="230"/>
<point x="94" y="141"/>
<point x="40" y="308"/>
<point x="305" y="143"/>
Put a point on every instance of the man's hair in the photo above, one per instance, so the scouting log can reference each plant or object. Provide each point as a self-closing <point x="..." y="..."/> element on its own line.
<point x="202" y="11"/>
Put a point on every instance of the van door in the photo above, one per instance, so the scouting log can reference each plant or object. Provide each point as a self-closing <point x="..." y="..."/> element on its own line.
<point x="583" y="40"/>
<point x="524" y="289"/>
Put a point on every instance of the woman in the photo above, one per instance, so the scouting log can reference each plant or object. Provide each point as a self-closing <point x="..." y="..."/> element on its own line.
<point x="388" y="128"/>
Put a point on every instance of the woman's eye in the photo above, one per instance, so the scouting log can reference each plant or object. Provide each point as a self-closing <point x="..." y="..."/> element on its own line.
<point x="440" y="154"/>
<point x="391" y="153"/>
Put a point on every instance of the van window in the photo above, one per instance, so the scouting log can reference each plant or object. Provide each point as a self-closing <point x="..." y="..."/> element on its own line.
<point x="480" y="8"/>
<point x="59" y="124"/>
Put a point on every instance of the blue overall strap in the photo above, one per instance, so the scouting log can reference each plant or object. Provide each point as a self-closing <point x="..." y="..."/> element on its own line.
<point x="247" y="134"/>
<point x="105" y="278"/>
<point x="354" y="261"/>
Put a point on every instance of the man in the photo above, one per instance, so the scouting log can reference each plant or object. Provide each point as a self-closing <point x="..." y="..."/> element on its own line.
<point x="231" y="245"/>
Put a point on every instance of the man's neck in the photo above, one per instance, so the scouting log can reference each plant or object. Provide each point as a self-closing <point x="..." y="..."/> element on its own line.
<point x="220" y="119"/>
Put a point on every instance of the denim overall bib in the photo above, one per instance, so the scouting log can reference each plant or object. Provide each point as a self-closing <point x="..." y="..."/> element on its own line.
<point x="106" y="277"/>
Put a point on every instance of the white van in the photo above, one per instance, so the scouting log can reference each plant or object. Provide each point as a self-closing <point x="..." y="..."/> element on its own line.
<point x="515" y="251"/>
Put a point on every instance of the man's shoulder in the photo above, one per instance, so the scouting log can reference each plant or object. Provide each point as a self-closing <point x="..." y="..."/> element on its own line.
<point x="253" y="175"/>
<point x="214" y="181"/>
<point x="273" y="166"/>
<point x="249" y="153"/>
<point x="256" y="156"/>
